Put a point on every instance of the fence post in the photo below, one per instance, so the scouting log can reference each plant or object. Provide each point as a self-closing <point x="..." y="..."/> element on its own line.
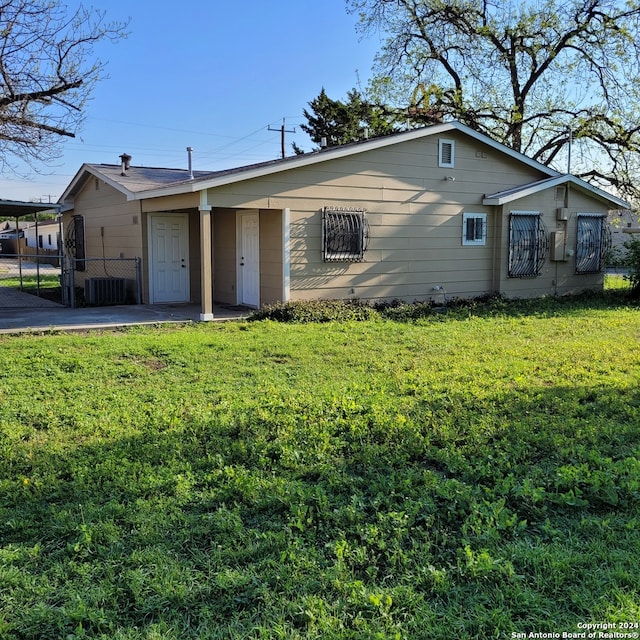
<point x="138" y="280"/>
<point x="72" y="283"/>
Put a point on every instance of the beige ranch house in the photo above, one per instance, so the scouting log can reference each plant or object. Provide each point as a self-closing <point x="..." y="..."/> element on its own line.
<point x="419" y="215"/>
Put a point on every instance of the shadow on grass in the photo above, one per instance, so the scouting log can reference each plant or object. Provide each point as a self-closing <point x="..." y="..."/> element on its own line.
<point x="469" y="518"/>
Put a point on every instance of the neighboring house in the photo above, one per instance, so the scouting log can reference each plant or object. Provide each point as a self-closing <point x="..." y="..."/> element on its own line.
<point x="11" y="233"/>
<point x="44" y="236"/>
<point x="441" y="210"/>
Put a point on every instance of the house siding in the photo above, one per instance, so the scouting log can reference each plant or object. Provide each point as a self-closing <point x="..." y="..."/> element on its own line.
<point x="414" y="215"/>
<point x="271" y="249"/>
<point x="224" y="256"/>
<point x="106" y="208"/>
<point x="556" y="277"/>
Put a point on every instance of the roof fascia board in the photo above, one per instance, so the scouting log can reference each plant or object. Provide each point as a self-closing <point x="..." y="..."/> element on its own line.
<point x="90" y="170"/>
<point x="531" y="189"/>
<point x="341" y="152"/>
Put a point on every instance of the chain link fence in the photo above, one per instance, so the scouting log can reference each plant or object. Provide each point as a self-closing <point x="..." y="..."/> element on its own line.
<point x="40" y="281"/>
<point x="102" y="281"/>
<point x="30" y="281"/>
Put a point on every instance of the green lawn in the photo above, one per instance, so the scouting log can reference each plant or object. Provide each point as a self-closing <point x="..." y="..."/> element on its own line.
<point x="473" y="474"/>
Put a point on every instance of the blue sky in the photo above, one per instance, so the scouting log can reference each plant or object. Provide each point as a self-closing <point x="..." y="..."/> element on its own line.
<point x="212" y="75"/>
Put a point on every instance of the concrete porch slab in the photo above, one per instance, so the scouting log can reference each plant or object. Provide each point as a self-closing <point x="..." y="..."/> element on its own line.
<point x="58" y="318"/>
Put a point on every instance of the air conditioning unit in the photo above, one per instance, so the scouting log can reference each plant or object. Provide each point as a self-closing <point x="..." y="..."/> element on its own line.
<point x="105" y="291"/>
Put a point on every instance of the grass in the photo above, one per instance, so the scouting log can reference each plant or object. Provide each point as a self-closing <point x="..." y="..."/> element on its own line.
<point x="474" y="474"/>
<point x="31" y="281"/>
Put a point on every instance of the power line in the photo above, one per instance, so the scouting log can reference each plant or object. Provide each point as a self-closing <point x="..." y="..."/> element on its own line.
<point x="282" y="131"/>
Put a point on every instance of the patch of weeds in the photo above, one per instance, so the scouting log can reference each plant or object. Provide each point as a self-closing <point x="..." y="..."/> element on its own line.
<point x="315" y="311"/>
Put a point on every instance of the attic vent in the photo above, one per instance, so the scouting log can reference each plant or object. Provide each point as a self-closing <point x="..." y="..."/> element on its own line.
<point x="446" y="152"/>
<point x="560" y="192"/>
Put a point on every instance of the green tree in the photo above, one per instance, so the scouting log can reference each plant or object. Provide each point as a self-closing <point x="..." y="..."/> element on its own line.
<point x="536" y="75"/>
<point x="47" y="74"/>
<point x="342" y="122"/>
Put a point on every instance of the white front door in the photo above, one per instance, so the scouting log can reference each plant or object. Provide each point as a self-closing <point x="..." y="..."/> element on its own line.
<point x="249" y="259"/>
<point x="169" y="258"/>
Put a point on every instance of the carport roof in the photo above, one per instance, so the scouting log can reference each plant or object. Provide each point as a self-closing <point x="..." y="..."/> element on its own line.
<point x="16" y="209"/>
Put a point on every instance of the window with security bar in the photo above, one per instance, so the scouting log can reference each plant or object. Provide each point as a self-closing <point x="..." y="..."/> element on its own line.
<point x="474" y="229"/>
<point x="528" y="244"/>
<point x="74" y="243"/>
<point x="593" y="242"/>
<point x="344" y="234"/>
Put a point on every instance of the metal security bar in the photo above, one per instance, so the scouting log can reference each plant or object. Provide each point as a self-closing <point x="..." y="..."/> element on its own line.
<point x="593" y="242"/>
<point x="528" y="245"/>
<point x="345" y="235"/>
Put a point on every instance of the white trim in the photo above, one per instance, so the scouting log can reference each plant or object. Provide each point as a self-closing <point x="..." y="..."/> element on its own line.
<point x="442" y="143"/>
<point x="277" y="166"/>
<point x="286" y="255"/>
<point x="304" y="160"/>
<point x="474" y="243"/>
<point x="517" y="193"/>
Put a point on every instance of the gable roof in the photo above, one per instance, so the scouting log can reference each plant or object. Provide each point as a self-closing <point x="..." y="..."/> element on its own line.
<point x="516" y="193"/>
<point x="139" y="183"/>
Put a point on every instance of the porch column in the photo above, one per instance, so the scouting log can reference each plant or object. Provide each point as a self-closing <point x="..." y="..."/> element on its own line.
<point x="286" y="255"/>
<point x="206" y="254"/>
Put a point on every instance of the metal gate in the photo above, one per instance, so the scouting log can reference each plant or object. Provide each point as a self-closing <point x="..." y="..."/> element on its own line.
<point x="30" y="281"/>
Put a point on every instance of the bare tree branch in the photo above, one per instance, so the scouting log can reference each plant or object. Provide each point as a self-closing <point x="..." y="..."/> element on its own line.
<point x="47" y="74"/>
<point x="524" y="73"/>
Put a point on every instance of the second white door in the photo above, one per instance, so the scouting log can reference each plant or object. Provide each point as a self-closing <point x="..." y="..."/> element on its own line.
<point x="249" y="259"/>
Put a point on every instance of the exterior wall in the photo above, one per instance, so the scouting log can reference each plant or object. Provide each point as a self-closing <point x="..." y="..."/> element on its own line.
<point x="271" y="267"/>
<point x="556" y="277"/>
<point x="103" y="207"/>
<point x="186" y="203"/>
<point x="224" y="256"/>
<point x="225" y="272"/>
<point x="113" y="228"/>
<point x="414" y="213"/>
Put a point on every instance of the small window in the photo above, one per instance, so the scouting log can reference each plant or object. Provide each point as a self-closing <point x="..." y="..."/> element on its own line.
<point x="344" y="235"/>
<point x="446" y="153"/>
<point x="592" y="243"/>
<point x="474" y="228"/>
<point x="528" y="244"/>
<point x="40" y="242"/>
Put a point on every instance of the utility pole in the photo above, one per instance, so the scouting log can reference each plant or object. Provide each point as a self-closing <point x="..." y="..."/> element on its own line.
<point x="282" y="131"/>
